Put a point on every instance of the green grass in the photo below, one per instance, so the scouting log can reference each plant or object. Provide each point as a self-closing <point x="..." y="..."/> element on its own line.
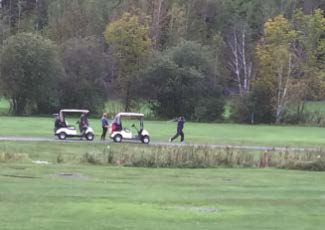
<point x="76" y="195"/>
<point x="227" y="113"/>
<point x="106" y="197"/>
<point x="194" y="132"/>
<point x="315" y="106"/>
<point x="4" y="106"/>
<point x="116" y="106"/>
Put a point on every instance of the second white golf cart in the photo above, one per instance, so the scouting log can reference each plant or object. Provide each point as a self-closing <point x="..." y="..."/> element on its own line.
<point x="63" y="130"/>
<point x="118" y="132"/>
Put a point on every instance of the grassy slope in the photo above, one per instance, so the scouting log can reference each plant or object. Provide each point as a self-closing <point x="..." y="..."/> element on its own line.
<point x="194" y="132"/>
<point x="134" y="198"/>
<point x="4" y="106"/>
<point x="106" y="197"/>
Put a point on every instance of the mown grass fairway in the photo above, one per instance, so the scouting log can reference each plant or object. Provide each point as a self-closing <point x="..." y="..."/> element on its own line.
<point x="194" y="132"/>
<point x="76" y="195"/>
<point x="97" y="197"/>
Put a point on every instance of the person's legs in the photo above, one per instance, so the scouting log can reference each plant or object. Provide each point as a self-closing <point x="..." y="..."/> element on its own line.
<point x="182" y="136"/>
<point x="102" y="136"/>
<point x="104" y="133"/>
<point x="83" y="131"/>
<point x="174" y="137"/>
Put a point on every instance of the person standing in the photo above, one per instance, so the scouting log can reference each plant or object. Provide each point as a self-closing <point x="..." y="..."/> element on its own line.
<point x="83" y="123"/>
<point x="180" y="126"/>
<point x="104" y="126"/>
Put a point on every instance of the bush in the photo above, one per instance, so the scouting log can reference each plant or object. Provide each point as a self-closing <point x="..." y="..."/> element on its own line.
<point x="29" y="72"/>
<point x="7" y="156"/>
<point x="183" y="82"/>
<point x="210" y="108"/>
<point x="95" y="158"/>
<point x="86" y="68"/>
<point x="205" y="157"/>
<point x="177" y="157"/>
<point x="316" y="165"/>
<point x="304" y="117"/>
<point x="241" y="109"/>
<point x="254" y="107"/>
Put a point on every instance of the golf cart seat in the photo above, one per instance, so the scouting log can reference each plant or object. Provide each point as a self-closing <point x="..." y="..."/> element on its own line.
<point x="70" y="127"/>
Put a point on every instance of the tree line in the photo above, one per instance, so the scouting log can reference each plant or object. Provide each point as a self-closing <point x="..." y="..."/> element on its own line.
<point x="189" y="57"/>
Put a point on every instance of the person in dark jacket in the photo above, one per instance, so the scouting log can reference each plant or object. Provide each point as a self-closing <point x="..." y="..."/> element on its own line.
<point x="83" y="123"/>
<point x="180" y="126"/>
<point x="58" y="123"/>
<point x="104" y="127"/>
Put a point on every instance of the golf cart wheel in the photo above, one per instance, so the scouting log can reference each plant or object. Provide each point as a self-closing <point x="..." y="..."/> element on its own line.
<point x="90" y="136"/>
<point x="145" y="140"/>
<point x="62" y="136"/>
<point x="117" y="138"/>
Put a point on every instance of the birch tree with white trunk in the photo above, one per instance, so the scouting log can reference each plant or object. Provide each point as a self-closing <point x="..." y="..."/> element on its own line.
<point x="239" y="62"/>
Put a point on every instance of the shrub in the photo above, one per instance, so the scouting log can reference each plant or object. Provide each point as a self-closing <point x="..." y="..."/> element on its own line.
<point x="29" y="72"/>
<point x="205" y="157"/>
<point x="254" y="107"/>
<point x="59" y="159"/>
<point x="6" y="156"/>
<point x="179" y="157"/>
<point x="86" y="69"/>
<point x="241" y="109"/>
<point x="210" y="107"/>
<point x="183" y="82"/>
<point x="94" y="158"/>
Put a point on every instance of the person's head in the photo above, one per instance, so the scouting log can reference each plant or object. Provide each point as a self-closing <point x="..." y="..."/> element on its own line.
<point x="105" y="115"/>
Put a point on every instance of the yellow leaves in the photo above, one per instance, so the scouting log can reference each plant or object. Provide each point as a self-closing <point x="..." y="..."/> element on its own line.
<point x="273" y="52"/>
<point x="278" y="31"/>
<point x="274" y="48"/>
<point x="319" y="18"/>
<point x="128" y="36"/>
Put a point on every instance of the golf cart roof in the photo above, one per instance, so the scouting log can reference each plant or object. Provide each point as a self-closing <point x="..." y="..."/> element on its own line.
<point x="124" y="114"/>
<point x="74" y="111"/>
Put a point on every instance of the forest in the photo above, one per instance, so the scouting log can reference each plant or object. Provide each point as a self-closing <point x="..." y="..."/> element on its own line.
<point x="261" y="60"/>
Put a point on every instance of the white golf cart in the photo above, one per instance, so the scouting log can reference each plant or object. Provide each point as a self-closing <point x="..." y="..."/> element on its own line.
<point x="63" y="130"/>
<point x="118" y="132"/>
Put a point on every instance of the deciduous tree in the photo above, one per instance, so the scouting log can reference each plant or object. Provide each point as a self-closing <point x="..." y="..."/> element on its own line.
<point x="29" y="70"/>
<point x="276" y="60"/>
<point x="129" y="38"/>
<point x="86" y="76"/>
<point x="183" y="81"/>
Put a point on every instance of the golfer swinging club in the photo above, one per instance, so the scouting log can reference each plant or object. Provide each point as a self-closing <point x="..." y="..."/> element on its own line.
<point x="180" y="126"/>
